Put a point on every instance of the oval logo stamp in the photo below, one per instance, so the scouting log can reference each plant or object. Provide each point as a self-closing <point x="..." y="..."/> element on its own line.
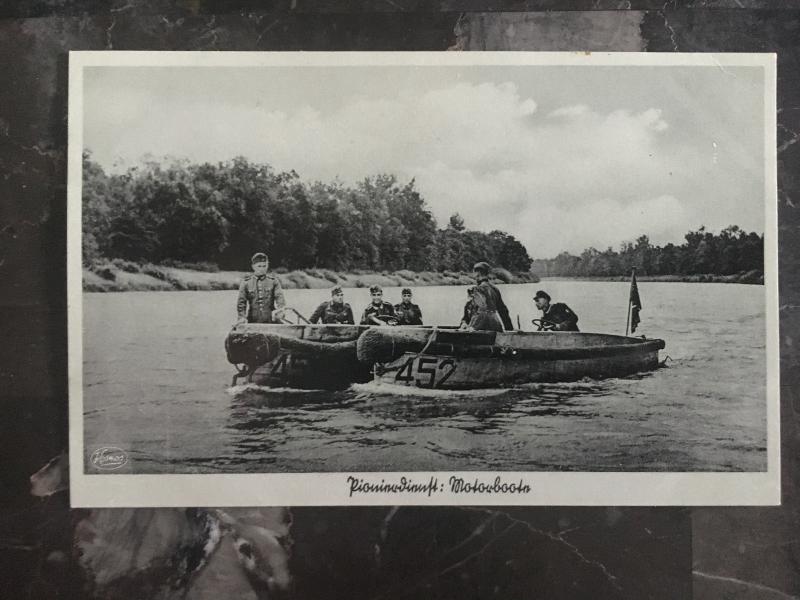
<point x="108" y="458"/>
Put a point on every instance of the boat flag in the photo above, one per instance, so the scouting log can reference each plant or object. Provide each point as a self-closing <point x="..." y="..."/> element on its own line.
<point x="634" y="302"/>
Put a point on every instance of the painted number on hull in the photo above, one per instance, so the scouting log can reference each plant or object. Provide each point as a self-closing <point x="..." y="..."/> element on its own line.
<point x="426" y="371"/>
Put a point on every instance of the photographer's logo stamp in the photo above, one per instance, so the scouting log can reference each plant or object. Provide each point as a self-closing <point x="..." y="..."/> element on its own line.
<point x="108" y="458"/>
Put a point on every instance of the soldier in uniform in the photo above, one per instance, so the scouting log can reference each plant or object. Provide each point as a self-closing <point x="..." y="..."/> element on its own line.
<point x="469" y="310"/>
<point x="377" y="308"/>
<point x="555" y="317"/>
<point x="260" y="294"/>
<point x="490" y="313"/>
<point x="407" y="313"/>
<point x="335" y="311"/>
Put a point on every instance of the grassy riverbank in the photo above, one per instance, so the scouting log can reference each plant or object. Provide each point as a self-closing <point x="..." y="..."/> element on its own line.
<point x="751" y="277"/>
<point x="124" y="276"/>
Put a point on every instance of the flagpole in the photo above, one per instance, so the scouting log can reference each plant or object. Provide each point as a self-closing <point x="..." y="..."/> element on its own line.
<point x="628" y="320"/>
<point x="628" y="317"/>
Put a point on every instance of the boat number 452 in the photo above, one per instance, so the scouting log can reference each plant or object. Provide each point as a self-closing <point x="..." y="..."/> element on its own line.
<point x="426" y="371"/>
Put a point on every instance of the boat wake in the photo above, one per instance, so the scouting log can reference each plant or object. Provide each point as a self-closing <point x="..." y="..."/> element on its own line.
<point x="375" y="388"/>
<point x="582" y="385"/>
<point x="253" y="395"/>
<point x="253" y="388"/>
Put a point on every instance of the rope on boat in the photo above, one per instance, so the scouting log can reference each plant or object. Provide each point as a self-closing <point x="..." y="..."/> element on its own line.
<point x="243" y="371"/>
<point x="379" y="369"/>
<point x="431" y="339"/>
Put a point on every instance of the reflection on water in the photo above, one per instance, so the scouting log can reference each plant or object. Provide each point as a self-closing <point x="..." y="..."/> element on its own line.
<point x="157" y="385"/>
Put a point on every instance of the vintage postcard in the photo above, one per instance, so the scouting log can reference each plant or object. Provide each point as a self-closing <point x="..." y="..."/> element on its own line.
<point x="422" y="278"/>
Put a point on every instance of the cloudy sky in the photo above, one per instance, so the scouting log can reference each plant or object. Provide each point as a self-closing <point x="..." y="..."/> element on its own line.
<point x="561" y="157"/>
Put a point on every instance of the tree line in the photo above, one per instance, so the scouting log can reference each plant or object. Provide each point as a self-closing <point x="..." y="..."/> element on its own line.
<point x="222" y="213"/>
<point x="729" y="252"/>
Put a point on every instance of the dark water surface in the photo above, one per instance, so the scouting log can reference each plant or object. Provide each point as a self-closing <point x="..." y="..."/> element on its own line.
<point x="157" y="385"/>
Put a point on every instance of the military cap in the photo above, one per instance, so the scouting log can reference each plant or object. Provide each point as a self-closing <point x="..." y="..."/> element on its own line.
<point x="375" y="289"/>
<point x="336" y="290"/>
<point x="258" y="257"/>
<point x="542" y="294"/>
<point x="406" y="291"/>
<point x="481" y="267"/>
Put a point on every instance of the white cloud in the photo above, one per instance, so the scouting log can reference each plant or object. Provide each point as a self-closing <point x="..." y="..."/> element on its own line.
<point x="570" y="178"/>
<point x="575" y="110"/>
<point x="600" y="223"/>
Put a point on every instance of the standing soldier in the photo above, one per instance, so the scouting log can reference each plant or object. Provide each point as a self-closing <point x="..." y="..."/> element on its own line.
<point x="407" y="313"/>
<point x="490" y="313"/>
<point x="334" y="312"/>
<point x="378" y="308"/>
<point x="260" y="294"/>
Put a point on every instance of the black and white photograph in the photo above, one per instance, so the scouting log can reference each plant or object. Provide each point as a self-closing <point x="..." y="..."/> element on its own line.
<point x="418" y="278"/>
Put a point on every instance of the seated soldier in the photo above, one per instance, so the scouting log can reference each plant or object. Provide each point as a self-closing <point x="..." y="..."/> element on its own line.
<point x="335" y="311"/>
<point x="406" y="312"/>
<point x="555" y="317"/>
<point x="378" y="308"/>
<point x="469" y="310"/>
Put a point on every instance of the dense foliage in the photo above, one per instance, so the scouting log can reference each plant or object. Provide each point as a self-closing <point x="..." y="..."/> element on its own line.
<point x="729" y="252"/>
<point x="225" y="212"/>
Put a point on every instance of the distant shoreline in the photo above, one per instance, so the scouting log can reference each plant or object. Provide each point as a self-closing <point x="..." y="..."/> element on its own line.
<point x="749" y="277"/>
<point x="122" y="276"/>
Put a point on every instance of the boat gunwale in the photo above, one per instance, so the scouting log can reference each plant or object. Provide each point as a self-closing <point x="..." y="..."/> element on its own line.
<point x="448" y="329"/>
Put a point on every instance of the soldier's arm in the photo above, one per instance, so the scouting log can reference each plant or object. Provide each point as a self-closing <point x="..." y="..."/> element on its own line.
<point x="569" y="318"/>
<point x="241" y="302"/>
<point x="478" y="303"/>
<point x="277" y="294"/>
<point x="419" y="314"/>
<point x="573" y="318"/>
<point x="348" y="319"/>
<point x="372" y="318"/>
<point x="317" y="314"/>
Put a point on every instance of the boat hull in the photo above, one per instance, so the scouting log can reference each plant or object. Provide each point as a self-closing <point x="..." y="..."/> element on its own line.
<point x="456" y="373"/>
<point x="303" y="356"/>
<point x="296" y="370"/>
<point x="335" y="356"/>
<point x="515" y="358"/>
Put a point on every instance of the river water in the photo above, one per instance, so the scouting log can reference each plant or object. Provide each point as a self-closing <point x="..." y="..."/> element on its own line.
<point x="157" y="385"/>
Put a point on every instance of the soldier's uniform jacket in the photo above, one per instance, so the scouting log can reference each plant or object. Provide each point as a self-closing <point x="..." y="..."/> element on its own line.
<point x="258" y="297"/>
<point x="469" y="310"/>
<point x="490" y="311"/>
<point x="408" y="314"/>
<point x="562" y="315"/>
<point x="384" y="308"/>
<point x="332" y="313"/>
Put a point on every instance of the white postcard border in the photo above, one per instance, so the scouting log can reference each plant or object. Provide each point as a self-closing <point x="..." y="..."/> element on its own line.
<point x="328" y="489"/>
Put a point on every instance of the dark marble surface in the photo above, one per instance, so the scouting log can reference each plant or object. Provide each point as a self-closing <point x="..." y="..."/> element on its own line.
<point x="487" y="553"/>
<point x="737" y="553"/>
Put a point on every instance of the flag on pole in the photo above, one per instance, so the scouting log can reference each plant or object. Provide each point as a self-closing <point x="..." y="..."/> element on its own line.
<point x="634" y="302"/>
